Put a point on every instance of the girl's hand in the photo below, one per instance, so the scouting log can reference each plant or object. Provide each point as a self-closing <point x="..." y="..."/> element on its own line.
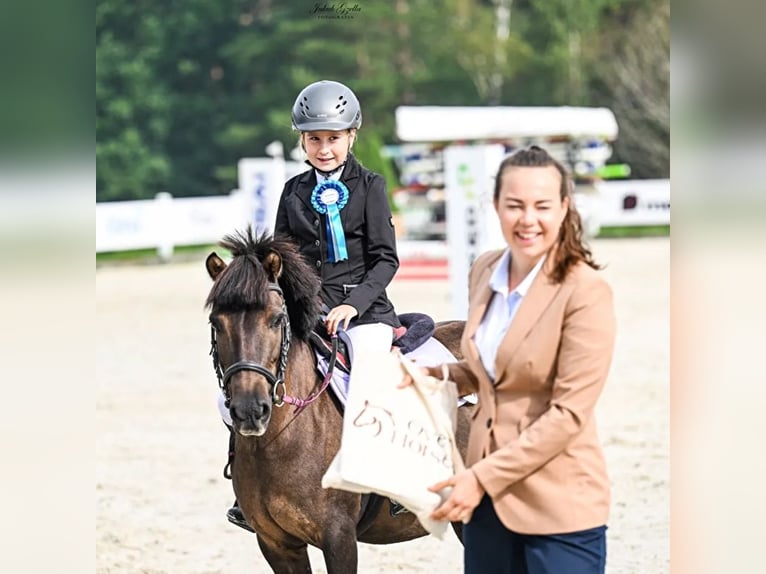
<point x="340" y="314"/>
<point x="466" y="495"/>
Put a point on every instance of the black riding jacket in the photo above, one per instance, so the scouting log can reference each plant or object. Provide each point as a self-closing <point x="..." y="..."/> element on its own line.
<point x="361" y="280"/>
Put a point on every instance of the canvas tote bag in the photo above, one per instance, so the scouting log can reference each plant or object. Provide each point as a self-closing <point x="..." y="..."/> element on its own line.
<point x="398" y="442"/>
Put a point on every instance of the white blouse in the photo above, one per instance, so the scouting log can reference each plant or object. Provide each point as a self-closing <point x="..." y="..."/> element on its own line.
<point x="501" y="310"/>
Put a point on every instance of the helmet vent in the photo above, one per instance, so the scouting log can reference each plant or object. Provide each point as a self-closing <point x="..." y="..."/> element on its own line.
<point x="314" y="107"/>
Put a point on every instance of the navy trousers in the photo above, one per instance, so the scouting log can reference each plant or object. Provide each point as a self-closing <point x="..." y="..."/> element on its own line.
<point x="490" y="548"/>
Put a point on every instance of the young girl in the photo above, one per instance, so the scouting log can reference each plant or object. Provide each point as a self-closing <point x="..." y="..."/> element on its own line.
<point x="338" y="214"/>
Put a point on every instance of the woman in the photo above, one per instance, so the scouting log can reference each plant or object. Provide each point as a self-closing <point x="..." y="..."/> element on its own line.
<point x="537" y="344"/>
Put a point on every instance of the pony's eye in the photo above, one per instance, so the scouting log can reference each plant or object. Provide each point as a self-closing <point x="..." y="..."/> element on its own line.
<point x="216" y="324"/>
<point x="277" y="321"/>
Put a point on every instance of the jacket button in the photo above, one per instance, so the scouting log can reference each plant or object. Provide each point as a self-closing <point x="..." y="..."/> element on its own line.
<point x="489" y="422"/>
<point x="316" y="222"/>
<point x="316" y="242"/>
<point x="319" y="263"/>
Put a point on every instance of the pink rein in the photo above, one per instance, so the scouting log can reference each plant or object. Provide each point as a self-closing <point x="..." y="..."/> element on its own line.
<point x="300" y="403"/>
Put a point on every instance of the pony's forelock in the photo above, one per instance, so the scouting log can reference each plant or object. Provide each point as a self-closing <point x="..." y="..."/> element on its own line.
<point x="244" y="284"/>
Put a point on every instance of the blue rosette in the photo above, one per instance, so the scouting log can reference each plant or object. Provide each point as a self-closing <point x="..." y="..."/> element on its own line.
<point x="329" y="197"/>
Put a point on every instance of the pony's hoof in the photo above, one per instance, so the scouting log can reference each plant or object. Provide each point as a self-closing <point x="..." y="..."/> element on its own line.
<point x="235" y="516"/>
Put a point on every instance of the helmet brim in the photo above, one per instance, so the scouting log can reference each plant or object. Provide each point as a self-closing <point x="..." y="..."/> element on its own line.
<point x="323" y="126"/>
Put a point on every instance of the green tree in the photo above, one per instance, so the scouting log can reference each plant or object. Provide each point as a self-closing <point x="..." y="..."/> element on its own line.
<point x="204" y="94"/>
<point x="183" y="91"/>
<point x="631" y="75"/>
<point x="559" y="32"/>
<point x="132" y="104"/>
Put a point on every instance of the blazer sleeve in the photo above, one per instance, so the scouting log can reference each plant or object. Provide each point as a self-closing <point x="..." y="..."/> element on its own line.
<point x="582" y="366"/>
<point x="383" y="260"/>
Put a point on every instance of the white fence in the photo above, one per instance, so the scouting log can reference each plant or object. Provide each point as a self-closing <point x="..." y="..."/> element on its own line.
<point x="166" y="222"/>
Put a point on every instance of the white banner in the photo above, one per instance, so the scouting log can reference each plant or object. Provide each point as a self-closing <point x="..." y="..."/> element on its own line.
<point x="262" y="180"/>
<point x="633" y="202"/>
<point x="165" y="221"/>
<point x="472" y="226"/>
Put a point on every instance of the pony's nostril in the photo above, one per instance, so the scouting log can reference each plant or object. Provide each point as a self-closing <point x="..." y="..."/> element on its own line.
<point x="238" y="412"/>
<point x="263" y="409"/>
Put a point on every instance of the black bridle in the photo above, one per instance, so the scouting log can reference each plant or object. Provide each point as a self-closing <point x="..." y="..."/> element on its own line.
<point x="276" y="381"/>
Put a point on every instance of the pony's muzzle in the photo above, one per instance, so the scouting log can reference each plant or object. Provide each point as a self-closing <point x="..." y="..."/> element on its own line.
<point x="250" y="415"/>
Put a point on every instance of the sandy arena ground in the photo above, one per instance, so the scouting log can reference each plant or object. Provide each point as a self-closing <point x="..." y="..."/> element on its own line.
<point x="161" y="445"/>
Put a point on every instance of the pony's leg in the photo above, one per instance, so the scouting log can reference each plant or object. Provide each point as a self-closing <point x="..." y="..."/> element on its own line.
<point x="339" y="549"/>
<point x="285" y="559"/>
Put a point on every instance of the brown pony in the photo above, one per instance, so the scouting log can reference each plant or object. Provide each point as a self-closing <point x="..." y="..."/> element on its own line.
<point x="263" y="306"/>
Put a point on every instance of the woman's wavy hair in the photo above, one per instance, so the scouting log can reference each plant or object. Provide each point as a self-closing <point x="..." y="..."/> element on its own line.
<point x="571" y="247"/>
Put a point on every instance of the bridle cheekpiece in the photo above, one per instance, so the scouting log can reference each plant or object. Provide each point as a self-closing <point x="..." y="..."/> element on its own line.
<point x="277" y="381"/>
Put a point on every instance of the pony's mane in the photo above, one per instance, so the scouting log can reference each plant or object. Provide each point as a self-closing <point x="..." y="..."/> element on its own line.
<point x="244" y="284"/>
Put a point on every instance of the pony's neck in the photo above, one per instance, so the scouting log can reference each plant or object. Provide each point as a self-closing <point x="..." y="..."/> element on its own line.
<point x="289" y="424"/>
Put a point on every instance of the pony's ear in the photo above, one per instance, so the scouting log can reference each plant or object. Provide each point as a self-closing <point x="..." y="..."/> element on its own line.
<point x="214" y="265"/>
<point x="272" y="263"/>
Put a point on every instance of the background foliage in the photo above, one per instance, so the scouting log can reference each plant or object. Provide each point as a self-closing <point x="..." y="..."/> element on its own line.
<point x="185" y="89"/>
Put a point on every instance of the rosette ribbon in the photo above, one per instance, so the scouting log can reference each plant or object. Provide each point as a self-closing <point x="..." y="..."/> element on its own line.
<point x="329" y="197"/>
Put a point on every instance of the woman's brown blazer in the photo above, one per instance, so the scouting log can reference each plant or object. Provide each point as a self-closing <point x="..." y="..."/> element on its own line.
<point x="533" y="443"/>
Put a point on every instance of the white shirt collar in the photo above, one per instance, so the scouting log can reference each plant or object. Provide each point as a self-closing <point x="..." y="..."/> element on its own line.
<point x="499" y="280"/>
<point x="336" y="176"/>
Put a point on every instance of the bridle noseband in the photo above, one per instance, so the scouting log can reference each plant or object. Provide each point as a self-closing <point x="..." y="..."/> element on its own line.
<point x="276" y="381"/>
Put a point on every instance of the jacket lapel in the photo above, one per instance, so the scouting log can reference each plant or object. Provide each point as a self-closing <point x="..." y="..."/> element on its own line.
<point x="350" y="177"/>
<point x="478" y="306"/>
<point x="540" y="294"/>
<point x="305" y="186"/>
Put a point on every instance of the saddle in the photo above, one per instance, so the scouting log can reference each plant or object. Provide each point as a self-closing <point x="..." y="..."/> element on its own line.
<point x="416" y="329"/>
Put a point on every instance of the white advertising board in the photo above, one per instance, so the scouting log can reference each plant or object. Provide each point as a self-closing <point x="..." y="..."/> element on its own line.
<point x="262" y="180"/>
<point x="472" y="226"/>
<point x="165" y="221"/>
<point x="124" y="225"/>
<point x="633" y="202"/>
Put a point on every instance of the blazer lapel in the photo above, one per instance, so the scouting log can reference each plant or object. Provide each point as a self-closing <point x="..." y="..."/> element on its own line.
<point x="540" y="294"/>
<point x="478" y="306"/>
<point x="350" y="177"/>
<point x="305" y="186"/>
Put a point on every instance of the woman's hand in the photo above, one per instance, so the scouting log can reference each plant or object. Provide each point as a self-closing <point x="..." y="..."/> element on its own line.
<point x="340" y="314"/>
<point x="466" y="495"/>
<point x="407" y="380"/>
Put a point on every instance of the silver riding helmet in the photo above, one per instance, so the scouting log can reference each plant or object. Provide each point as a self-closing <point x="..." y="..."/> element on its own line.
<point x="326" y="105"/>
